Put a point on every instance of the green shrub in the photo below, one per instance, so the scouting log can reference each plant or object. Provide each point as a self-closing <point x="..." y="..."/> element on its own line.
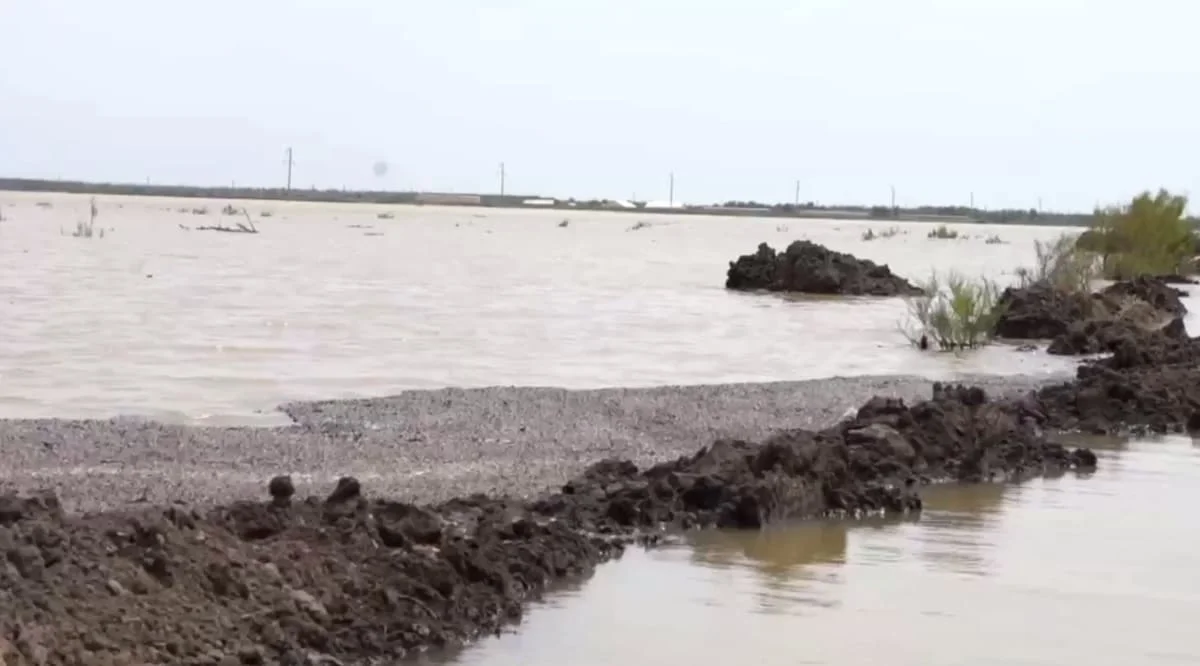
<point x="953" y="314"/>
<point x="1148" y="236"/>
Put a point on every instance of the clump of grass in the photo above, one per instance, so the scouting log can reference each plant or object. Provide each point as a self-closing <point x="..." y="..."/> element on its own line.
<point x="994" y="240"/>
<point x="385" y="216"/>
<point x="202" y="210"/>
<point x="230" y="210"/>
<point x="954" y="314"/>
<point x="942" y="232"/>
<point x="88" y="229"/>
<point x="1151" y="235"/>
<point x="891" y="232"/>
<point x="871" y="234"/>
<point x="1062" y="265"/>
<point x="265" y="213"/>
<point x="44" y="204"/>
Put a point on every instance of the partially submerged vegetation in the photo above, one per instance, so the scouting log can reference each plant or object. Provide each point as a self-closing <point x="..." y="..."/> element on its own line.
<point x="1143" y="245"/>
<point x="87" y="229"/>
<point x="1060" y="264"/>
<point x="942" y="232"/>
<point x="954" y="313"/>
<point x="238" y="227"/>
<point x="1151" y="235"/>
<point x="871" y="234"/>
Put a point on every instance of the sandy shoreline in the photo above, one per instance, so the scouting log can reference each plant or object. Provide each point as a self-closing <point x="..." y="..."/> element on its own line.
<point x="426" y="446"/>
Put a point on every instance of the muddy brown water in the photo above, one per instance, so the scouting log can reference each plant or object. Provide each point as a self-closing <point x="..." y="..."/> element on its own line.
<point x="1097" y="571"/>
<point x="215" y="328"/>
<point x="209" y="328"/>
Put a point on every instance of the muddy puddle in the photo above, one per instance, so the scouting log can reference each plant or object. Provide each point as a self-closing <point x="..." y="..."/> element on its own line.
<point x="1101" y="570"/>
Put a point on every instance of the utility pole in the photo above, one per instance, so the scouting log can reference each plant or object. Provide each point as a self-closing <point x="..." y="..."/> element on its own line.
<point x="972" y="201"/>
<point x="797" y="201"/>
<point x="289" y="169"/>
<point x="893" y="197"/>
<point x="502" y="179"/>
<point x="671" y="192"/>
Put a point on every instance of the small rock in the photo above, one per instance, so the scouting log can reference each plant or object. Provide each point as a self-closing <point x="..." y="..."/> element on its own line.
<point x="28" y="561"/>
<point x="252" y="654"/>
<point x="281" y="488"/>
<point x="309" y="604"/>
<point x="880" y="434"/>
<point x="115" y="588"/>
<point x="348" y="488"/>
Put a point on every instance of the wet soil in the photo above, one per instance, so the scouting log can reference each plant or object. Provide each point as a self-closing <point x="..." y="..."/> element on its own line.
<point x="806" y="267"/>
<point x="352" y="579"/>
<point x="1081" y="324"/>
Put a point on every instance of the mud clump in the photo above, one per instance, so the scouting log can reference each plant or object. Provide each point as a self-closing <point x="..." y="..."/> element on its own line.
<point x="1148" y="384"/>
<point x="1079" y="323"/>
<point x="805" y="267"/>
<point x="316" y="582"/>
<point x="351" y="579"/>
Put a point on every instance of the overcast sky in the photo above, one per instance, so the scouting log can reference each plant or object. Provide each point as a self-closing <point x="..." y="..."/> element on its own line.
<point x="1075" y="101"/>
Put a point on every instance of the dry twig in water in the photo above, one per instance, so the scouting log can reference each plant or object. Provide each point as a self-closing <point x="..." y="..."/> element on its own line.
<point x="240" y="228"/>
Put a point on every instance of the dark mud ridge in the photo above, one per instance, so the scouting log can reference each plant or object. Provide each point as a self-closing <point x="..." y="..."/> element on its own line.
<point x="806" y="267"/>
<point x="352" y="579"/>
<point x="1076" y="323"/>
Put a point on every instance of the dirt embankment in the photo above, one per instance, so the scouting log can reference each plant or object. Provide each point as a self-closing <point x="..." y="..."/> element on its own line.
<point x="1076" y="323"/>
<point x="347" y="579"/>
<point x="806" y="267"/>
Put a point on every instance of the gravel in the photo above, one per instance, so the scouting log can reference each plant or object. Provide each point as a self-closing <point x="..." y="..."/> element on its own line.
<point x="425" y="445"/>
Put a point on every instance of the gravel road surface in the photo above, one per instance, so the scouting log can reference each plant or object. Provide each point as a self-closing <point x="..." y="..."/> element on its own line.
<point x="424" y="445"/>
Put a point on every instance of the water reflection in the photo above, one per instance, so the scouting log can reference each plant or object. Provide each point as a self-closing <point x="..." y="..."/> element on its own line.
<point x="982" y="566"/>
<point x="954" y="527"/>
<point x="785" y="558"/>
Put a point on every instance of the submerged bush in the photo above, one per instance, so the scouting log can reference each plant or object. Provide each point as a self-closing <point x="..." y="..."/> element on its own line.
<point x="943" y="232"/>
<point x="953" y="314"/>
<point x="871" y="234"/>
<point x="1148" y="236"/>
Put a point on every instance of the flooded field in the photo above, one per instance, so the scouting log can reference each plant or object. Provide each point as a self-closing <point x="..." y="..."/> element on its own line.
<point x="329" y="301"/>
<point x="1058" y="571"/>
<point x="158" y="318"/>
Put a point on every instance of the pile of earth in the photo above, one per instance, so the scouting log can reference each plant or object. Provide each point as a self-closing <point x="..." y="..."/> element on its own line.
<point x="1077" y="323"/>
<point x="347" y="579"/>
<point x="1149" y="383"/>
<point x="806" y="267"/>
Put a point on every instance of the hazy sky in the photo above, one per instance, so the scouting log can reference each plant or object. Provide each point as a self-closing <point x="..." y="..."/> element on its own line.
<point x="1072" y="100"/>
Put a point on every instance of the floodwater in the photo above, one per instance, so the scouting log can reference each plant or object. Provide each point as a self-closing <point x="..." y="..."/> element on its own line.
<point x="162" y="320"/>
<point x="1098" y="571"/>
<point x="330" y="301"/>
